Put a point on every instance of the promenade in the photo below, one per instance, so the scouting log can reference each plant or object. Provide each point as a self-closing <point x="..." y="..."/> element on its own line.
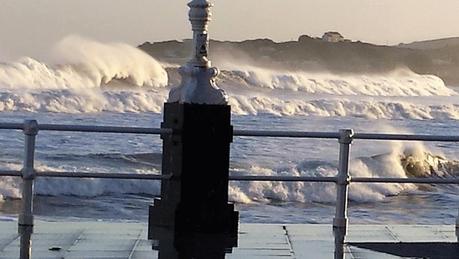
<point x="129" y="240"/>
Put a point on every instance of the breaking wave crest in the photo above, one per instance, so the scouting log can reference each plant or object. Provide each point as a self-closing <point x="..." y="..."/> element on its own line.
<point x="80" y="63"/>
<point x="402" y="82"/>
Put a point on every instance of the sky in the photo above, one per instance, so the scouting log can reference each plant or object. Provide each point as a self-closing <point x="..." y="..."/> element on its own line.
<point x="30" y="28"/>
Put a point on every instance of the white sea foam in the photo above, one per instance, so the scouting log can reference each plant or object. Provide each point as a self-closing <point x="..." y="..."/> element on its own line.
<point x="119" y="100"/>
<point x="371" y="109"/>
<point x="402" y="162"/>
<point x="10" y="186"/>
<point x="89" y="101"/>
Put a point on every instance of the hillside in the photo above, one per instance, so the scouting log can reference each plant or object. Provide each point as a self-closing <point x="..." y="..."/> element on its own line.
<point x="432" y="44"/>
<point x="317" y="55"/>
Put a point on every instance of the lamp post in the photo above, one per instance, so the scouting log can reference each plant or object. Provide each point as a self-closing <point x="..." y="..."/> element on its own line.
<point x="194" y="201"/>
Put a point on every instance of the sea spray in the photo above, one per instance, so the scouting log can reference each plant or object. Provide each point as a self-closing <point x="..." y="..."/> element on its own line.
<point x="80" y="63"/>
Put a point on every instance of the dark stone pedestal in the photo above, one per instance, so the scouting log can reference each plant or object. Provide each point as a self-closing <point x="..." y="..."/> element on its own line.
<point x="195" y="199"/>
<point x="192" y="246"/>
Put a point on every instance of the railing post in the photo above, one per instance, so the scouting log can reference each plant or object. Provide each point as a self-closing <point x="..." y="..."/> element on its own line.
<point x="25" y="221"/>
<point x="342" y="184"/>
<point x="457" y="226"/>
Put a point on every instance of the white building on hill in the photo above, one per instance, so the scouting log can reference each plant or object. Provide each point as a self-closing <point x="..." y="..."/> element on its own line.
<point x="332" y="36"/>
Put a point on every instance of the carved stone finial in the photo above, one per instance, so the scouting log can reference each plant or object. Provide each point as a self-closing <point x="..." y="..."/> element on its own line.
<point x="198" y="77"/>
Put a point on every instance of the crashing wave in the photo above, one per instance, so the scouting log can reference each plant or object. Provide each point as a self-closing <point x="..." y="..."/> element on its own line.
<point x="428" y="165"/>
<point x="402" y="82"/>
<point x="81" y="64"/>
<point x="400" y="163"/>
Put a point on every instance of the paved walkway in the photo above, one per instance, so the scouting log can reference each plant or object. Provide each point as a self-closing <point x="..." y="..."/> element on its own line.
<point x="128" y="240"/>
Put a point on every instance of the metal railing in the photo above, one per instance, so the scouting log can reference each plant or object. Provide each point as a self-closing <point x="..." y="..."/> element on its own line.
<point x="342" y="180"/>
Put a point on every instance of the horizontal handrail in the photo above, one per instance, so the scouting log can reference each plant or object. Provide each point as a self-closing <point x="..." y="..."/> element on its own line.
<point x="89" y="128"/>
<point x="10" y="173"/>
<point x="239" y="133"/>
<point x="285" y="134"/>
<point x="335" y="135"/>
<point x="241" y="178"/>
<point x="425" y="180"/>
<point x="12" y="126"/>
<point x="406" y="137"/>
<point x="125" y="176"/>
<point x="103" y="129"/>
<point x="269" y="178"/>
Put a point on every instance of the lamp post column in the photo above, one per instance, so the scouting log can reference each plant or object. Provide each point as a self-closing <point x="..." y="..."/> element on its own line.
<point x="195" y="199"/>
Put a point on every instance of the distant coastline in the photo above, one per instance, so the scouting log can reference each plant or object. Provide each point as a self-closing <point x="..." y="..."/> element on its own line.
<point x="438" y="57"/>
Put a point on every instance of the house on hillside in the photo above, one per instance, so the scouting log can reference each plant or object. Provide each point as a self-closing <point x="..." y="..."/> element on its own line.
<point x="333" y="36"/>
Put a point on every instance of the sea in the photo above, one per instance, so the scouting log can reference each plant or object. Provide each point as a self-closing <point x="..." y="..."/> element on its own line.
<point x="85" y="82"/>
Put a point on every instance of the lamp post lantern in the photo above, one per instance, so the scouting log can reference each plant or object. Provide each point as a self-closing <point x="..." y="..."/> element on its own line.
<point x="198" y="85"/>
